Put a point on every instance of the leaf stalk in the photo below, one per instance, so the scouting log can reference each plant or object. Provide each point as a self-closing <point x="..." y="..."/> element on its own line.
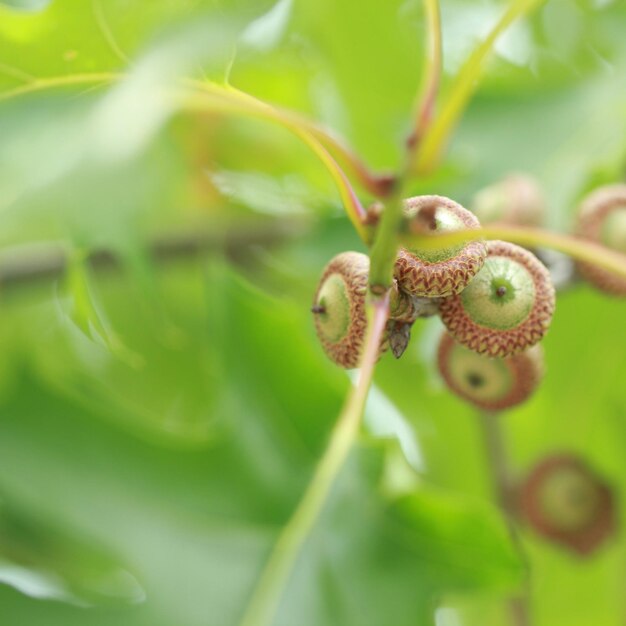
<point x="266" y="597"/>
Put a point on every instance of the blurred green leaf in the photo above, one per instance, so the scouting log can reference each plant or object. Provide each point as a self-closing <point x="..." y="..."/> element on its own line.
<point x="172" y="465"/>
<point x="43" y="561"/>
<point x="245" y="484"/>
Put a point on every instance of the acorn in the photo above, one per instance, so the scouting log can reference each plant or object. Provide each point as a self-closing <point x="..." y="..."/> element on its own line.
<point x="508" y="306"/>
<point x="339" y="308"/>
<point x="516" y="199"/>
<point x="602" y="219"/>
<point x="564" y="501"/>
<point x="487" y="383"/>
<point x="438" y="272"/>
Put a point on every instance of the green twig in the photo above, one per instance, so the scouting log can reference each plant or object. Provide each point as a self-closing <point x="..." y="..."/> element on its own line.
<point x="503" y="485"/>
<point x="433" y="62"/>
<point x="385" y="247"/>
<point x="54" y="82"/>
<point x="384" y="251"/>
<point x="429" y="138"/>
<point x="354" y="209"/>
<point x="465" y="83"/>
<point x="266" y="597"/>
<point x="575" y="247"/>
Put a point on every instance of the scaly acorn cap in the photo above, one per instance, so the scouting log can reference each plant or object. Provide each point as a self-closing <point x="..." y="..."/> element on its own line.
<point x="602" y="218"/>
<point x="441" y="272"/>
<point x="339" y="308"/>
<point x="564" y="501"/>
<point x="516" y="199"/>
<point x="487" y="383"/>
<point x="508" y="306"/>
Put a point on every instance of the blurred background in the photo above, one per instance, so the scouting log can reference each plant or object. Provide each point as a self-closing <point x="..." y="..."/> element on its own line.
<point x="163" y="397"/>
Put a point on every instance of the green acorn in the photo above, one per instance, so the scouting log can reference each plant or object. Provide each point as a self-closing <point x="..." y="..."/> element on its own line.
<point x="339" y="308"/>
<point x="602" y="218"/>
<point x="516" y="199"/>
<point x="487" y="383"/>
<point x="564" y="501"/>
<point x="439" y="272"/>
<point x="508" y="306"/>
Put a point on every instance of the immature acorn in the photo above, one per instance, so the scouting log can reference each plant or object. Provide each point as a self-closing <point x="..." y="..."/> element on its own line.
<point x="564" y="501"/>
<point x="339" y="308"/>
<point x="516" y="199"/>
<point x="602" y="218"/>
<point x="508" y="306"/>
<point x="438" y="272"/>
<point x="488" y="383"/>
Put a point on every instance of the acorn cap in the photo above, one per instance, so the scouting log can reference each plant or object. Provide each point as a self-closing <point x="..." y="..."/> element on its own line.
<point x="445" y="271"/>
<point x="564" y="501"/>
<point x="517" y="199"/>
<point x="487" y="383"/>
<point x="508" y="306"/>
<point x="602" y="218"/>
<point x="339" y="308"/>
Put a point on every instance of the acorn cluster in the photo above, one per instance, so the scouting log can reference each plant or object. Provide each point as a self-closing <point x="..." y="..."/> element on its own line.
<point x="495" y="299"/>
